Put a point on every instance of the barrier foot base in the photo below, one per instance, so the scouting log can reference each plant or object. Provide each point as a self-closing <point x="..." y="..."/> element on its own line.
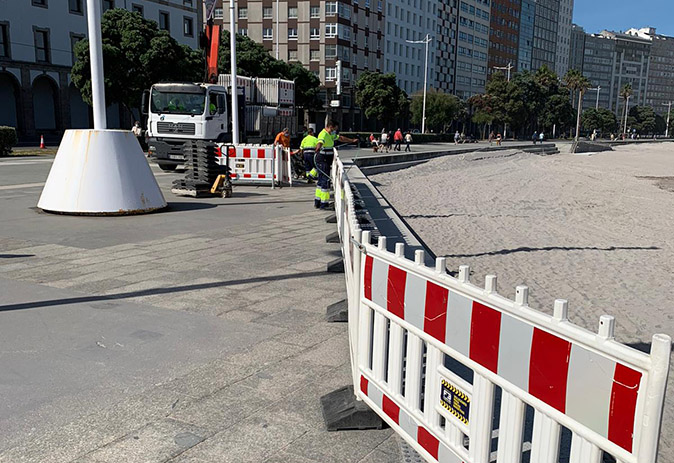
<point x="338" y="312"/>
<point x="341" y="412"/>
<point x="331" y="218"/>
<point x="332" y="237"/>
<point x="336" y="266"/>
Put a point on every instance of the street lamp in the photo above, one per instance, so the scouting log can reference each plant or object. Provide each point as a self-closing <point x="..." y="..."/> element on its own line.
<point x="627" y="107"/>
<point x="426" y="40"/>
<point x="669" y="109"/>
<point x="277" y="29"/>
<point x="234" y="92"/>
<point x="505" y="68"/>
<point x="597" y="88"/>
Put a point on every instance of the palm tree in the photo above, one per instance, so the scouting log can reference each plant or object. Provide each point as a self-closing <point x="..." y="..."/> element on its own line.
<point x="625" y="93"/>
<point x="577" y="82"/>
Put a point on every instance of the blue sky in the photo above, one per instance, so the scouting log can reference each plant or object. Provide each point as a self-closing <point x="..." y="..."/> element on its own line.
<point x="596" y="15"/>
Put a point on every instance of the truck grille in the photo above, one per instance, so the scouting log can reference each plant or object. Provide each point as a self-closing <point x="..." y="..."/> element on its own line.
<point x="184" y="128"/>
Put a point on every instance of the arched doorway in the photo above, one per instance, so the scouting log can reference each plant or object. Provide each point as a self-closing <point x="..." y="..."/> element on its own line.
<point x="44" y="103"/>
<point x="9" y="92"/>
<point x="79" y="110"/>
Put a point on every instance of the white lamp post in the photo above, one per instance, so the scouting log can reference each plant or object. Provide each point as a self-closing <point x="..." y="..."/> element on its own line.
<point x="99" y="171"/>
<point x="669" y="109"/>
<point x="627" y="106"/>
<point x="426" y="41"/>
<point x="508" y="68"/>
<point x="235" y="92"/>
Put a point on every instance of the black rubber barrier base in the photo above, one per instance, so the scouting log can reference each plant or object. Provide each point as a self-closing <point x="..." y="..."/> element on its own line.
<point x="331" y="218"/>
<point x="332" y="238"/>
<point x="341" y="412"/>
<point x="336" y="266"/>
<point x="338" y="312"/>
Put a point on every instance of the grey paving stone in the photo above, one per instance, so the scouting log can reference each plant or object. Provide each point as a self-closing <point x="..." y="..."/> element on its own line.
<point x="209" y="378"/>
<point x="338" y="447"/>
<point x="333" y="352"/>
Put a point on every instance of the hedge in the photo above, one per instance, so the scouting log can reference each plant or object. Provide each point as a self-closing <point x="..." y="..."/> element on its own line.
<point x="417" y="138"/>
<point x="7" y="140"/>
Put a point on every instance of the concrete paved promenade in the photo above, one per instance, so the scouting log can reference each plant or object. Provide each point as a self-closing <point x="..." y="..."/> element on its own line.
<point x="192" y="335"/>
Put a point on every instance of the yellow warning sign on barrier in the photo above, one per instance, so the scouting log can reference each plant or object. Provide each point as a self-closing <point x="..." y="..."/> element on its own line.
<point x="455" y="401"/>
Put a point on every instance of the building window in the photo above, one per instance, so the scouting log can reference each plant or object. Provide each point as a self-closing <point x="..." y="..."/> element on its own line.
<point x="267" y="33"/>
<point x="188" y="2"/>
<point x="108" y="5"/>
<point x="164" y="21"/>
<point x="292" y="55"/>
<point x="330" y="73"/>
<point x="243" y="31"/>
<point x="188" y="27"/>
<point x="137" y="9"/>
<point x="315" y="11"/>
<point x="292" y="33"/>
<point x="40" y="3"/>
<point x="75" y="6"/>
<point x="243" y="12"/>
<point x="267" y="12"/>
<point x="74" y="38"/>
<point x="4" y="40"/>
<point x="331" y="51"/>
<point x="292" y="12"/>
<point x="330" y="30"/>
<point x="315" y="55"/>
<point x="315" y="33"/>
<point x="330" y="8"/>
<point x="218" y="13"/>
<point x="42" y="51"/>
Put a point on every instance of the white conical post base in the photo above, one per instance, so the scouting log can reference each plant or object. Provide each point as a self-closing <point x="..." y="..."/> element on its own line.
<point x="100" y="172"/>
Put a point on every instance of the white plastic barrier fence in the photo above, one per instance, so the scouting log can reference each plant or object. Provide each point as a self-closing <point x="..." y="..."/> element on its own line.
<point x="431" y="353"/>
<point x="259" y="164"/>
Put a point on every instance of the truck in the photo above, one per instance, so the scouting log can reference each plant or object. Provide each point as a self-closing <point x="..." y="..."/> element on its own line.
<point x="179" y="112"/>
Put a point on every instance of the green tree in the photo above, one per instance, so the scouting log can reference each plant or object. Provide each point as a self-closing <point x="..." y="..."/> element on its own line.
<point x="576" y="82"/>
<point x="625" y="93"/>
<point x="642" y="118"/>
<point x="441" y="109"/>
<point x="135" y="55"/>
<point x="557" y="111"/>
<point x="482" y="107"/>
<point x="602" y="119"/>
<point x="379" y="96"/>
<point x="253" y="60"/>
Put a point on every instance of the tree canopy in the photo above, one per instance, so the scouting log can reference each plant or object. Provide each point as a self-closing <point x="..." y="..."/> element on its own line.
<point x="441" y="109"/>
<point x="136" y="54"/>
<point x="379" y="96"/>
<point x="642" y="119"/>
<point x="602" y="119"/>
<point x="253" y="60"/>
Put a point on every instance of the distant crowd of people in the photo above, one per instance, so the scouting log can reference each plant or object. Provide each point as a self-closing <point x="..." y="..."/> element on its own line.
<point x="387" y="139"/>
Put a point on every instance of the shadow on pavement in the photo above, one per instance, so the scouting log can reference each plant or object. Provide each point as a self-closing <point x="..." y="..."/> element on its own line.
<point x="15" y="256"/>
<point x="156" y="291"/>
<point x="556" y="248"/>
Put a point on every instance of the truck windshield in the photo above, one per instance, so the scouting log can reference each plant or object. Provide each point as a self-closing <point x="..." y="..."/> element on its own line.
<point x="177" y="102"/>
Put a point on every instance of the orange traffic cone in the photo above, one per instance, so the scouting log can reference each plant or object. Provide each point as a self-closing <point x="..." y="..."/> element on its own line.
<point x="42" y="142"/>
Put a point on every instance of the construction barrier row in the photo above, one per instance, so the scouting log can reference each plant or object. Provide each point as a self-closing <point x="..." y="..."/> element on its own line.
<point x="259" y="164"/>
<point x="452" y="366"/>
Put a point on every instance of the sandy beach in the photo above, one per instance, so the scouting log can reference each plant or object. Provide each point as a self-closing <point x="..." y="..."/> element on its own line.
<point x="596" y="230"/>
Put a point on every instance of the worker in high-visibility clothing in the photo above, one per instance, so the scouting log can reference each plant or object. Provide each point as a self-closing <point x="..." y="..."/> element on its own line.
<point x="324" y="158"/>
<point x="308" y="149"/>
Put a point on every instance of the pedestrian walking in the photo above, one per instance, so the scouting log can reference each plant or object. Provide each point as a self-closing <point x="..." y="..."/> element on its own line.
<point x="398" y="137"/>
<point x="534" y="137"/>
<point x="498" y="140"/>
<point x="457" y="136"/>
<point x="408" y="140"/>
<point x="308" y="150"/>
<point x="389" y="141"/>
<point x="383" y="145"/>
<point x="541" y="137"/>
<point x="324" y="157"/>
<point x="491" y="137"/>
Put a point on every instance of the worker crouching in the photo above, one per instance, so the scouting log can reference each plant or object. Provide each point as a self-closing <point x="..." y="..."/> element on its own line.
<point x="323" y="159"/>
<point x="308" y="149"/>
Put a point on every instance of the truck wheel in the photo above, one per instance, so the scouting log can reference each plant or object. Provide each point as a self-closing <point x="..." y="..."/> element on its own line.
<point x="167" y="167"/>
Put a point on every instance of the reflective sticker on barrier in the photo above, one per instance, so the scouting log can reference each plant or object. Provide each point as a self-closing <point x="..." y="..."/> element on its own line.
<point x="455" y="401"/>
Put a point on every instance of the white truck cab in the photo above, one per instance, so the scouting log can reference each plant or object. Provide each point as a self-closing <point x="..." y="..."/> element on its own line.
<point x="178" y="112"/>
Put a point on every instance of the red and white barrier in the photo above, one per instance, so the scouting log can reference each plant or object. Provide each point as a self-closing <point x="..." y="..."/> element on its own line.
<point x="408" y="324"/>
<point x="258" y="164"/>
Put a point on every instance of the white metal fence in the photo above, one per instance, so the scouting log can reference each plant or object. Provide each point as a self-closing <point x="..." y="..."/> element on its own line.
<point x="258" y="164"/>
<point x="466" y="375"/>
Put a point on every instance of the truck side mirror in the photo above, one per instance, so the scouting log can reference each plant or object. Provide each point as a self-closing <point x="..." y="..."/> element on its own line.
<point x="144" y="102"/>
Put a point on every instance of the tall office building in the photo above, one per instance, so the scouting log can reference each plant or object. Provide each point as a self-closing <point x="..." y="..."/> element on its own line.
<point x="36" y="55"/>
<point x="546" y="25"/>
<point x="660" y="89"/>
<point x="504" y="33"/>
<point x="526" y="35"/>
<point x="445" y="58"/>
<point x="317" y="34"/>
<point x="576" y="47"/>
<point x="472" y="47"/>
<point x="411" y="20"/>
<point x="563" y="36"/>
<point x="597" y="65"/>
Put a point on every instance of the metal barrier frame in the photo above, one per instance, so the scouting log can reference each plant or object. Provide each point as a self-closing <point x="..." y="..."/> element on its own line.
<point x="394" y="376"/>
<point x="274" y="170"/>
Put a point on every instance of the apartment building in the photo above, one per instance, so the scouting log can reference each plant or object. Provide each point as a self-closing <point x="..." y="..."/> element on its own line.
<point x="36" y="54"/>
<point x="630" y="66"/>
<point x="504" y="33"/>
<point x="546" y="25"/>
<point x="660" y="89"/>
<point x="318" y="33"/>
<point x="410" y="21"/>
<point x="472" y="46"/>
<point x="598" y="62"/>
<point x="564" y="24"/>
<point x="445" y="46"/>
